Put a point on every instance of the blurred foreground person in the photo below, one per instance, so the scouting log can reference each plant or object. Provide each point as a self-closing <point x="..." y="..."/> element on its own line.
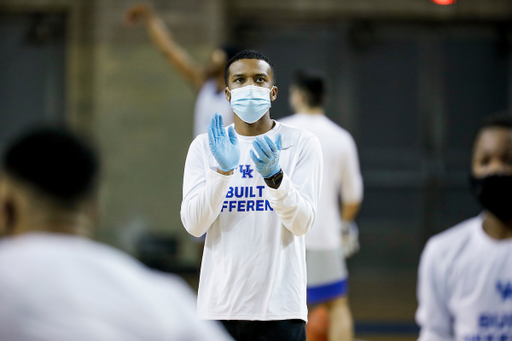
<point x="56" y="284"/>
<point x="208" y="80"/>
<point x="465" y="274"/>
<point x="326" y="249"/>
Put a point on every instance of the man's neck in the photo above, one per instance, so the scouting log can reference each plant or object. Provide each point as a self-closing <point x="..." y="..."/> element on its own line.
<point x="495" y="228"/>
<point x="310" y="110"/>
<point x="72" y="224"/>
<point x="262" y="126"/>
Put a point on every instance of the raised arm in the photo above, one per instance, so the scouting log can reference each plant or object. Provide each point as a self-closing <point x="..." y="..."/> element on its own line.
<point x="162" y="39"/>
<point x="351" y="182"/>
<point x="351" y="196"/>
<point x="204" y="189"/>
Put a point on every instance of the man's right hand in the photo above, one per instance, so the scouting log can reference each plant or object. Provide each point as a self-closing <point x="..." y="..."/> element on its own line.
<point x="137" y="13"/>
<point x="349" y="238"/>
<point x="224" y="147"/>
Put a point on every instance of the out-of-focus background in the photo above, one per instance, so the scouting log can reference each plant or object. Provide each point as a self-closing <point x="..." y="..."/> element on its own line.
<point x="410" y="80"/>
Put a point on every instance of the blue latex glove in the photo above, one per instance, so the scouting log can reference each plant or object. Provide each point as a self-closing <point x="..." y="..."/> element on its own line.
<point x="224" y="147"/>
<point x="268" y="162"/>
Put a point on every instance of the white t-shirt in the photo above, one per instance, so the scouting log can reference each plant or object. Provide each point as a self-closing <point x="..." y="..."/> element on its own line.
<point x="341" y="175"/>
<point x="68" y="288"/>
<point x="253" y="265"/>
<point x="208" y="102"/>
<point x="465" y="286"/>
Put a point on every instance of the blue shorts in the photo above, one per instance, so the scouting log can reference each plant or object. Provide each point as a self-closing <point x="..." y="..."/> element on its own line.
<point x="327" y="292"/>
<point x="327" y="275"/>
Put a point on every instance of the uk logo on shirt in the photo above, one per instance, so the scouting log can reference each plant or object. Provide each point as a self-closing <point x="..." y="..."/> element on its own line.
<point x="247" y="172"/>
<point x="505" y="289"/>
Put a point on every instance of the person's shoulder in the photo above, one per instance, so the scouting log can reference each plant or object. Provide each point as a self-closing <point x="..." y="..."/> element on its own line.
<point x="291" y="131"/>
<point x="453" y="239"/>
<point x="170" y="283"/>
<point x="289" y="120"/>
<point x="37" y="245"/>
<point x="10" y="247"/>
<point x="34" y="253"/>
<point x="300" y="141"/>
<point x="301" y="120"/>
<point x="456" y="232"/>
<point x="34" y="243"/>
<point x="209" y="85"/>
<point x="336" y="129"/>
<point x="199" y="142"/>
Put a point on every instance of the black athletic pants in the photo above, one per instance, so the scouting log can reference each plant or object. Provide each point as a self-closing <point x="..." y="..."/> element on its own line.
<point x="281" y="330"/>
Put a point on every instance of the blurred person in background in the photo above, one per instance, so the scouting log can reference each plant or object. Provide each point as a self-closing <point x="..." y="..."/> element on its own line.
<point x="465" y="272"/>
<point x="334" y="235"/>
<point x="254" y="188"/>
<point x="56" y="283"/>
<point x="208" y="80"/>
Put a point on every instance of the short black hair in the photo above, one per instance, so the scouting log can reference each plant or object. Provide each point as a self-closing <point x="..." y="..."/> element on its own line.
<point x="57" y="163"/>
<point x="313" y="84"/>
<point x="501" y="120"/>
<point x="248" y="54"/>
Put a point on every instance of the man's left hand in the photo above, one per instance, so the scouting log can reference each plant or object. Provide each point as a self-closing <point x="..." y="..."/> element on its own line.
<point x="267" y="164"/>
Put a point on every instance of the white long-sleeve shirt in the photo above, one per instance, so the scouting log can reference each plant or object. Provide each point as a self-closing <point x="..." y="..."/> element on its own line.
<point x="341" y="174"/>
<point x="67" y="288"/>
<point x="465" y="286"/>
<point x="253" y="265"/>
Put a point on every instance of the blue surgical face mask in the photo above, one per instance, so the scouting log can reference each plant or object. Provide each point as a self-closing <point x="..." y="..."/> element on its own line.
<point x="250" y="103"/>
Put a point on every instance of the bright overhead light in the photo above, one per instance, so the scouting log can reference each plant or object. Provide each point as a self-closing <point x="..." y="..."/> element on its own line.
<point x="444" y="2"/>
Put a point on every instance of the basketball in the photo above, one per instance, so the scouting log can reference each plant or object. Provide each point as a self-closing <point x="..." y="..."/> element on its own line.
<point x="317" y="328"/>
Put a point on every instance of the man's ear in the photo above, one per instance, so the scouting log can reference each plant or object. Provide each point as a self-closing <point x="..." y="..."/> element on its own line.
<point x="228" y="94"/>
<point x="273" y="93"/>
<point x="9" y="209"/>
<point x="301" y="96"/>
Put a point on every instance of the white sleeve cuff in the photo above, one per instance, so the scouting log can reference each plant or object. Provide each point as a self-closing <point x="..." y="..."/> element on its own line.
<point x="215" y="176"/>
<point x="284" y="188"/>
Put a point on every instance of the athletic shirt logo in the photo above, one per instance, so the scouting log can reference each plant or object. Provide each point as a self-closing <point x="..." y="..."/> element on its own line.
<point x="247" y="172"/>
<point x="246" y="198"/>
<point x="504" y="289"/>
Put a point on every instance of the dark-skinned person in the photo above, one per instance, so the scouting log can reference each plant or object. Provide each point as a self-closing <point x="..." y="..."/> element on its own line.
<point x="253" y="188"/>
<point x="58" y="284"/>
<point x="465" y="272"/>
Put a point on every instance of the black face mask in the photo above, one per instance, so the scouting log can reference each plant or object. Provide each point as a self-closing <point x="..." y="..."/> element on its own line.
<point x="495" y="194"/>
